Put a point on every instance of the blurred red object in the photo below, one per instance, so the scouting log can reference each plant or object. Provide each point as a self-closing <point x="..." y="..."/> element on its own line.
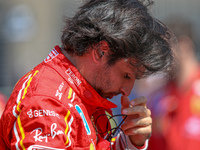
<point x="3" y="100"/>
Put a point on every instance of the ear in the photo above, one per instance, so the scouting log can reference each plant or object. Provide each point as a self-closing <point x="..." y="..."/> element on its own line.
<point x="100" y="51"/>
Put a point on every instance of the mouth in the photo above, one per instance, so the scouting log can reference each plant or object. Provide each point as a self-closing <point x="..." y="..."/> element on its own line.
<point x="111" y="95"/>
<point x="108" y="96"/>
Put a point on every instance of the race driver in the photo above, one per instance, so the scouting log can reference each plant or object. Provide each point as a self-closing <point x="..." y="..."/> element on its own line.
<point x="62" y="102"/>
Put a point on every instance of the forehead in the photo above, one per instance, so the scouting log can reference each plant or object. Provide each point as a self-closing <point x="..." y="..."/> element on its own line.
<point x="126" y="65"/>
<point x="132" y="65"/>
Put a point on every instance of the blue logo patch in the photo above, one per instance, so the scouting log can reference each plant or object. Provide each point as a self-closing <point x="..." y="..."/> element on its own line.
<point x="87" y="128"/>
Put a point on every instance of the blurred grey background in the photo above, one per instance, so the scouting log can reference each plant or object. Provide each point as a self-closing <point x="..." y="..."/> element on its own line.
<point x="30" y="29"/>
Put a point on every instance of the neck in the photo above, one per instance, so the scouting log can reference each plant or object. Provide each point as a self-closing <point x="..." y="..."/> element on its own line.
<point x="70" y="57"/>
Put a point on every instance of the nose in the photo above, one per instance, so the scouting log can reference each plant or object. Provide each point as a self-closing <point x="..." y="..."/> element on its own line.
<point x="127" y="88"/>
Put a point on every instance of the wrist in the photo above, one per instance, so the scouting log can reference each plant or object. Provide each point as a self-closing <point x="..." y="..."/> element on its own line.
<point x="137" y="140"/>
<point x="138" y="144"/>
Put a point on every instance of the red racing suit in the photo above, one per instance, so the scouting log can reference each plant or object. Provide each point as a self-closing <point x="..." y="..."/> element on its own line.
<point x="53" y="107"/>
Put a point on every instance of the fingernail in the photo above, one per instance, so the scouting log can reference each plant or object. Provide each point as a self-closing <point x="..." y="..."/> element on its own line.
<point x="124" y="111"/>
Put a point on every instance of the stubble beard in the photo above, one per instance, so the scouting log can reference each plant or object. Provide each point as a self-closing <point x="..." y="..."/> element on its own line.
<point x="102" y="81"/>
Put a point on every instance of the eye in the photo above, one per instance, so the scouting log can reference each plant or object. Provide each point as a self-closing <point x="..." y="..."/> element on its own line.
<point x="126" y="76"/>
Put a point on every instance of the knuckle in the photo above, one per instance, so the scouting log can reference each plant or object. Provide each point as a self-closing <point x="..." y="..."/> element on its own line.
<point x="143" y="111"/>
<point x="139" y="122"/>
<point x="143" y="98"/>
<point x="133" y="123"/>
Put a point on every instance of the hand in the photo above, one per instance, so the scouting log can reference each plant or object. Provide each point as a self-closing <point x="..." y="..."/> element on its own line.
<point x="138" y="124"/>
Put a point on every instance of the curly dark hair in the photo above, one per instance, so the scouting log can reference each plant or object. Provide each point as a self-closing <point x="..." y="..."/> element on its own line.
<point x="128" y="28"/>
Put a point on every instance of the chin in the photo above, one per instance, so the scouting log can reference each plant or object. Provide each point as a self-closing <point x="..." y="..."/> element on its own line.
<point x="105" y="95"/>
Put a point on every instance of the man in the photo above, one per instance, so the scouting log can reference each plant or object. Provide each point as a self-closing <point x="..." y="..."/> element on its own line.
<point x="62" y="103"/>
<point x="176" y="106"/>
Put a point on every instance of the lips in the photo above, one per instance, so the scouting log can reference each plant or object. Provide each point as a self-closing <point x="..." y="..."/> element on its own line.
<point x="110" y="95"/>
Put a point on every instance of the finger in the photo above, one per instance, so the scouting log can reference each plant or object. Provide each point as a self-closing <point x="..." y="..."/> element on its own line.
<point x="139" y="131"/>
<point x="139" y="122"/>
<point x="125" y="101"/>
<point x="142" y="111"/>
<point x="139" y="101"/>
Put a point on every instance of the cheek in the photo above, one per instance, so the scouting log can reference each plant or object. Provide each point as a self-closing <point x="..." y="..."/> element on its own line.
<point x="116" y="81"/>
<point x="109" y="83"/>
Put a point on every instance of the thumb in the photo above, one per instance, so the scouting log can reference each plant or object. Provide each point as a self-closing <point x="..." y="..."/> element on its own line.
<point x="125" y="102"/>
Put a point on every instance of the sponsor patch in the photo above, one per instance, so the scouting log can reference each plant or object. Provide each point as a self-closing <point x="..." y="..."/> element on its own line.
<point x="72" y="77"/>
<point x="40" y="137"/>
<point x="42" y="113"/>
<point x="58" y="92"/>
<point x="51" y="55"/>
